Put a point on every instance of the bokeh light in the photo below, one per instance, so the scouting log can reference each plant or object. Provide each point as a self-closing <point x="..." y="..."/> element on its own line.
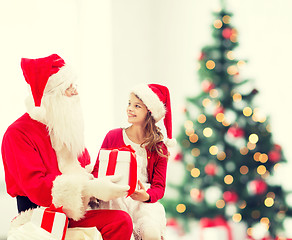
<point x="195" y="172"/>
<point x="228" y="179"/>
<point x="210" y="64"/>
<point x="181" y="208"/>
<point x="218" y="24"/>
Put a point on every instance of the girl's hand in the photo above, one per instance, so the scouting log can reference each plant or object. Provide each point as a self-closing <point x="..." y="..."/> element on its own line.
<point x="141" y="194"/>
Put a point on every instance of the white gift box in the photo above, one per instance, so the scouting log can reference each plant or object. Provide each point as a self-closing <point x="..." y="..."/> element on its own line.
<point x="77" y="233"/>
<point x="29" y="231"/>
<point x="51" y="220"/>
<point x="120" y="161"/>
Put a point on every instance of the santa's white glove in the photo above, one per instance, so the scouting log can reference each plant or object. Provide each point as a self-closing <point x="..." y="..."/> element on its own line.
<point x="106" y="188"/>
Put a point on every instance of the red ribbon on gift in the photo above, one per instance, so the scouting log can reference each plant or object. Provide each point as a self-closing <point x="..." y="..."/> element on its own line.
<point x="133" y="165"/>
<point x="215" y="222"/>
<point x="48" y="219"/>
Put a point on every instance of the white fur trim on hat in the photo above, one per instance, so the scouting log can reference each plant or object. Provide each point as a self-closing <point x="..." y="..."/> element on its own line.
<point x="151" y="100"/>
<point x="61" y="80"/>
<point x="67" y="192"/>
<point x="36" y="113"/>
<point x="170" y="142"/>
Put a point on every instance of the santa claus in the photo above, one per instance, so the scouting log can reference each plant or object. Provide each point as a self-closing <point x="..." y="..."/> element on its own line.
<point x="45" y="159"/>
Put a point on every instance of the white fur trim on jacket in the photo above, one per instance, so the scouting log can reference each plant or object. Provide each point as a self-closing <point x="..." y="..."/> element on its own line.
<point x="67" y="192"/>
<point x="151" y="100"/>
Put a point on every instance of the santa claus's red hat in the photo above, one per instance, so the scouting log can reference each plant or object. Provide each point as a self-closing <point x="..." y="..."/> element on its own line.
<point x="45" y="73"/>
<point x="157" y="99"/>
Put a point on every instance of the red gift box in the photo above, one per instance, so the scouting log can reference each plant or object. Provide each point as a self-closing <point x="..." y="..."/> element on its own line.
<point x="120" y="161"/>
<point x="51" y="219"/>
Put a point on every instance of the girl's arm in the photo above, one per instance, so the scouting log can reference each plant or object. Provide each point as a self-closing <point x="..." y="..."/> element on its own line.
<point x="158" y="181"/>
<point x="157" y="189"/>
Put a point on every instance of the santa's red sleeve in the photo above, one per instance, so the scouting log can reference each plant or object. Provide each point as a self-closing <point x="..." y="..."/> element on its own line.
<point x="23" y="162"/>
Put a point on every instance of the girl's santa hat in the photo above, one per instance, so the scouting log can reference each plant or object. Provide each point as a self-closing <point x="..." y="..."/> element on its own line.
<point x="157" y="99"/>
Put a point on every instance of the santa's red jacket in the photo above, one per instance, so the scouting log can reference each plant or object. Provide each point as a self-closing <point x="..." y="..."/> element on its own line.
<point x="30" y="162"/>
<point x="156" y="167"/>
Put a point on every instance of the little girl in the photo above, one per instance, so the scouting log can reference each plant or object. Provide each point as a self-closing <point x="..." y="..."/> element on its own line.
<point x="147" y="105"/>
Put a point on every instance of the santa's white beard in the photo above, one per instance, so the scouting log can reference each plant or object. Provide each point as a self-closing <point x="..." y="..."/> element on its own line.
<point x="65" y="123"/>
<point x="63" y="117"/>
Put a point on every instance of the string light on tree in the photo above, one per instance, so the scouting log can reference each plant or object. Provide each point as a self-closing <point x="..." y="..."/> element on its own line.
<point x="241" y="63"/>
<point x="207" y="132"/>
<point x="269" y="202"/>
<point x="243" y="150"/>
<point x="230" y="55"/>
<point x="195" y="172"/>
<point x="228" y="179"/>
<point x="195" y="152"/>
<point x="213" y="93"/>
<point x="202" y="118"/>
<point x="221" y="156"/>
<point x="193" y="138"/>
<point x="218" y="24"/>
<point x="220" y="117"/>
<point x="237" y="217"/>
<point x="213" y="150"/>
<point x="237" y="97"/>
<point x="243" y="170"/>
<point x="220" y="204"/>
<point x="226" y="19"/>
<point x="232" y="70"/>
<point x="253" y="138"/>
<point x="247" y="111"/>
<point x="181" y="208"/>
<point x="210" y="64"/>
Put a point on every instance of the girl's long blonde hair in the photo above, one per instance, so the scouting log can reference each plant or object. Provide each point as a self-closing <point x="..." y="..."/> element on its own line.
<point x="153" y="136"/>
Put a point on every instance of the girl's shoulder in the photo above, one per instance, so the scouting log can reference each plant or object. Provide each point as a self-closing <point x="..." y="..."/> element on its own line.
<point x="114" y="132"/>
<point x="114" y="138"/>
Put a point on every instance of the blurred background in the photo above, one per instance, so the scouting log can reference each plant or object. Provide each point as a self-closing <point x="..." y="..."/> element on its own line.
<point x="115" y="44"/>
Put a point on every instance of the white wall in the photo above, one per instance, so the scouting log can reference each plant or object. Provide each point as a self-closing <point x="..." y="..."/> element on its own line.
<point x="115" y="44"/>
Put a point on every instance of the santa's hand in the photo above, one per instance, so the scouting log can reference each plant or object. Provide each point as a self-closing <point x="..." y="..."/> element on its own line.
<point x="106" y="188"/>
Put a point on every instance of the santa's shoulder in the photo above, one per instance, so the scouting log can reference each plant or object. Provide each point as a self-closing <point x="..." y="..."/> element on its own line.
<point x="25" y="126"/>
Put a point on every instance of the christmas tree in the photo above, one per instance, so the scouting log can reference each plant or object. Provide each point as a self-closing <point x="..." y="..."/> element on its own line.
<point x="226" y="145"/>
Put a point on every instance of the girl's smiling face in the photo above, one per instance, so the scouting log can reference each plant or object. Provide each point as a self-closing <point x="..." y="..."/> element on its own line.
<point x="136" y="110"/>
